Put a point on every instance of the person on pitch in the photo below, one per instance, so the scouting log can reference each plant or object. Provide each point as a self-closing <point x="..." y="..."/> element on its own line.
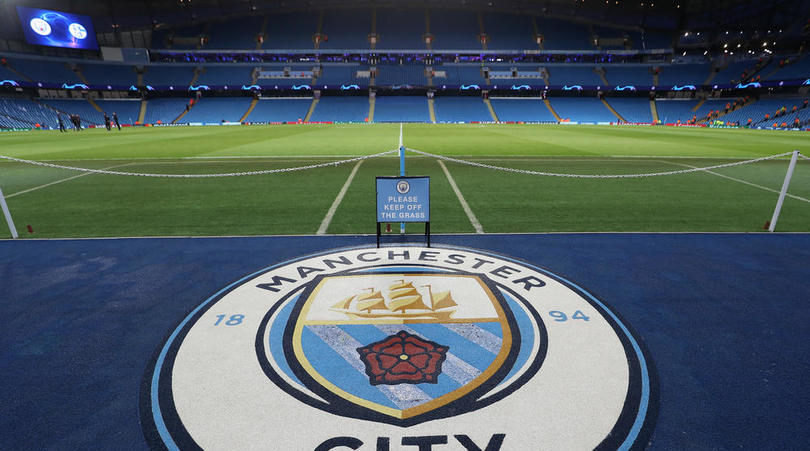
<point x="107" y="122"/>
<point x="115" y="119"/>
<point x="61" y="124"/>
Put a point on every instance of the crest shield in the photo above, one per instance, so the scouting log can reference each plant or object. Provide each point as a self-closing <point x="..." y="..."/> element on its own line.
<point x="401" y="347"/>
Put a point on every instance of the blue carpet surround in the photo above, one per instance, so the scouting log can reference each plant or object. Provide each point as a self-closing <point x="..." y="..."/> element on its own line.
<point x="723" y="317"/>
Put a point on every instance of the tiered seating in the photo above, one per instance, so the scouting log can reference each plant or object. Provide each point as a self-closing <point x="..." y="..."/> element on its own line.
<point x="291" y="31"/>
<point x="669" y="111"/>
<point x="109" y="74"/>
<point x="657" y="40"/>
<point x="341" y="109"/>
<point x="632" y="109"/>
<point x="628" y="75"/>
<point x="224" y="75"/>
<point x="799" y="70"/>
<point x="45" y="71"/>
<point x="564" y="35"/>
<point x="300" y="74"/>
<point x="509" y="31"/>
<point x="165" y="75"/>
<point x="526" y="110"/>
<point x="339" y="75"/>
<point x="81" y="107"/>
<point x="127" y="110"/>
<point x="459" y="75"/>
<point x="461" y="109"/>
<point x="23" y="113"/>
<point x="164" y="110"/>
<point x="756" y="112"/>
<point x="582" y="109"/>
<point x="346" y="29"/>
<point x="218" y="109"/>
<point x="455" y="30"/>
<point x="683" y="74"/>
<point x="400" y="28"/>
<point x="401" y="109"/>
<point x="178" y="37"/>
<point x="235" y="34"/>
<point x="732" y="73"/>
<point x="573" y="75"/>
<point x="400" y="75"/>
<point x="279" y="110"/>
<point x="6" y="74"/>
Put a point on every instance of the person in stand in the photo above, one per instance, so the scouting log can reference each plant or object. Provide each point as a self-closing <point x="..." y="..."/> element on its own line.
<point x="115" y="119"/>
<point x="61" y="124"/>
<point x="107" y="122"/>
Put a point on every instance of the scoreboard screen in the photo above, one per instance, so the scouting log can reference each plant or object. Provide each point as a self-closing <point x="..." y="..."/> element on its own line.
<point x="57" y="29"/>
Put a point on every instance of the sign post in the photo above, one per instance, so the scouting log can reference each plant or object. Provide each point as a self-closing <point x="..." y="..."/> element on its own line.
<point x="403" y="199"/>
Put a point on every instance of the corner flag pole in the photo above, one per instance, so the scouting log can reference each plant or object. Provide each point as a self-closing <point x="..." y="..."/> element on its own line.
<point x="401" y="169"/>
<point x="782" y="193"/>
<point x="7" y="214"/>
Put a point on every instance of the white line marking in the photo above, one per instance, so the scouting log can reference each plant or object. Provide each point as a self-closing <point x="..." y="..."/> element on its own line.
<point x="741" y="181"/>
<point x="63" y="180"/>
<point x="331" y="213"/>
<point x="473" y="220"/>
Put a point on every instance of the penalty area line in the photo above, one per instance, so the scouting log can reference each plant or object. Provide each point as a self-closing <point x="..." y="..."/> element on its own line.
<point x="331" y="213"/>
<point x="473" y="220"/>
<point x="792" y="196"/>
<point x="65" y="180"/>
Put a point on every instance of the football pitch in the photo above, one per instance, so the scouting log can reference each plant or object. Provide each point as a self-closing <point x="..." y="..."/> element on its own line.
<point x="340" y="198"/>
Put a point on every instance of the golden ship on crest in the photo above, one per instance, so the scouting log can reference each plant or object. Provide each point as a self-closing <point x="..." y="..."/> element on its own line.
<point x="405" y="302"/>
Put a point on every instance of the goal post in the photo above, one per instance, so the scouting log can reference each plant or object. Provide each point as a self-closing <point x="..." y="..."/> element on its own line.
<point x="7" y="214"/>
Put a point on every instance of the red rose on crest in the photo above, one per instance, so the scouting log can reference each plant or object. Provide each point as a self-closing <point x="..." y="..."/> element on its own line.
<point x="403" y="358"/>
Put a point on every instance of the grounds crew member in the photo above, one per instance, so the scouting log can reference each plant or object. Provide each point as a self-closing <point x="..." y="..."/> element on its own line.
<point x="107" y="122"/>
<point x="61" y="124"/>
<point x="115" y="119"/>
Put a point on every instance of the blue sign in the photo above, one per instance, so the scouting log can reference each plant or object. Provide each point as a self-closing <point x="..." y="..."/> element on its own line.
<point x="681" y="88"/>
<point x="403" y="199"/>
<point x="57" y="29"/>
<point x="572" y="88"/>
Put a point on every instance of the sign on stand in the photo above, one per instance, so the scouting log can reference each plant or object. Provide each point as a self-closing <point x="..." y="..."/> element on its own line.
<point x="403" y="199"/>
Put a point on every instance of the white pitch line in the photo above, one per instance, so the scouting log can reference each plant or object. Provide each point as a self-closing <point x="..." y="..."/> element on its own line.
<point x="64" y="180"/>
<point x="473" y="220"/>
<point x="792" y="196"/>
<point x="400" y="134"/>
<point x="331" y="213"/>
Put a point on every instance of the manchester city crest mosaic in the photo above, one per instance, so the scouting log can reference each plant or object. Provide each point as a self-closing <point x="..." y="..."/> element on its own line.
<point x="399" y="347"/>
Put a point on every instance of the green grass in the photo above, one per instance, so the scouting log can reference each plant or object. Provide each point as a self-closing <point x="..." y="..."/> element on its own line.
<point x="296" y="203"/>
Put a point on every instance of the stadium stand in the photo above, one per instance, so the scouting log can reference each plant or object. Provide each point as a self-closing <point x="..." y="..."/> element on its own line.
<point x="24" y="113"/>
<point x="127" y="110"/>
<point x="401" y="109"/>
<point x="235" y="34"/>
<point x="279" y="110"/>
<point x="45" y="71"/>
<point x="400" y="75"/>
<point x="456" y="30"/>
<point x="339" y="74"/>
<point x="341" y="109"/>
<point x="582" y="109"/>
<point x="168" y="75"/>
<point x="452" y="74"/>
<point x="683" y="74"/>
<point x="522" y="110"/>
<point x="400" y="28"/>
<point x="672" y="110"/>
<point x="81" y="107"/>
<point x="347" y="29"/>
<point x="164" y="110"/>
<point x="632" y="109"/>
<point x="217" y="109"/>
<point x="508" y="31"/>
<point x="461" y="109"/>
<point x="628" y="75"/>
<point x="224" y="75"/>
<point x="573" y="75"/>
<point x="291" y="31"/>
<point x="182" y="38"/>
<point x="561" y="34"/>
<point x="795" y="70"/>
<point x="109" y="74"/>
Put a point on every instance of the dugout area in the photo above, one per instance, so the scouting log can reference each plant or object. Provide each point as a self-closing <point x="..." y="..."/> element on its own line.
<point x="722" y="318"/>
